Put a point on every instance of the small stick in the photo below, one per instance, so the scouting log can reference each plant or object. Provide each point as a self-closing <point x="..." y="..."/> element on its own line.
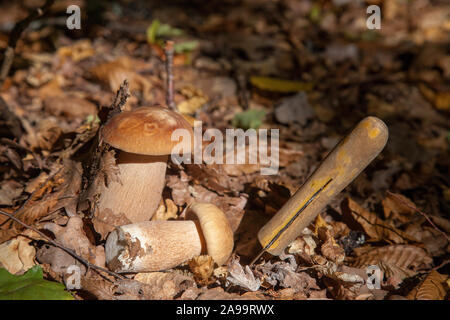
<point x="69" y="251"/>
<point x="120" y="99"/>
<point x="168" y="50"/>
<point x="419" y="211"/>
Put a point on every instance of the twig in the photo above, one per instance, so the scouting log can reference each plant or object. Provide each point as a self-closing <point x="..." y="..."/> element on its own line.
<point x="120" y="99"/>
<point x="15" y="36"/>
<point x="97" y="151"/>
<point x="69" y="251"/>
<point x="168" y="50"/>
<point x="444" y="263"/>
<point x="419" y="211"/>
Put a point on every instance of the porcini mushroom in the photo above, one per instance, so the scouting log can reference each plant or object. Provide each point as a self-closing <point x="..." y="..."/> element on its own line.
<point x="143" y="137"/>
<point x="159" y="245"/>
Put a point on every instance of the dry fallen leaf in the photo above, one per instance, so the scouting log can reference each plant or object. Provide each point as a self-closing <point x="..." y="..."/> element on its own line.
<point x="165" y="285"/>
<point x="167" y="210"/>
<point x="202" y="267"/>
<point x="16" y="255"/>
<point x="393" y="208"/>
<point x="72" y="236"/>
<point x="357" y="218"/>
<point x="329" y="248"/>
<point x="433" y="287"/>
<point x="403" y="256"/>
<point x="241" y="276"/>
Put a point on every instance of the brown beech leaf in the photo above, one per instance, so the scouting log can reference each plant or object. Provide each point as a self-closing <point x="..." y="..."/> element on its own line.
<point x="72" y="236"/>
<point x="433" y="287"/>
<point x="358" y="218"/>
<point x="403" y="256"/>
<point x="394" y="274"/>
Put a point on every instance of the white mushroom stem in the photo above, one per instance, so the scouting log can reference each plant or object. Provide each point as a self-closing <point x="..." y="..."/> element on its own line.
<point x="152" y="245"/>
<point x="138" y="193"/>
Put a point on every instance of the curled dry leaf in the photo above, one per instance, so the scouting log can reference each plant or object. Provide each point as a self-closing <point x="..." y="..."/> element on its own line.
<point x="72" y="236"/>
<point x="394" y="275"/>
<point x="284" y="274"/>
<point x="433" y="287"/>
<point x="329" y="248"/>
<point x="47" y="136"/>
<point x="395" y="209"/>
<point x="241" y="276"/>
<point x="167" y="210"/>
<point x="16" y="255"/>
<point x="202" y="267"/>
<point x="303" y="245"/>
<point x="106" y="220"/>
<point x="359" y="218"/>
<point x="403" y="256"/>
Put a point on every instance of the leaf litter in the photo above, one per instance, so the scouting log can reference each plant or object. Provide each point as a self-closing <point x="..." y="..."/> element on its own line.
<point x="242" y="68"/>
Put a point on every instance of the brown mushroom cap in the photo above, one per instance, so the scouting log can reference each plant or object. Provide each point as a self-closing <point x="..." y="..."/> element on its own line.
<point x="146" y="130"/>
<point x="215" y="229"/>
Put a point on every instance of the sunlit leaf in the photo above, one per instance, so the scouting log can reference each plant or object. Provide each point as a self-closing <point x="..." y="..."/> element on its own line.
<point x="185" y="46"/>
<point x="157" y="30"/>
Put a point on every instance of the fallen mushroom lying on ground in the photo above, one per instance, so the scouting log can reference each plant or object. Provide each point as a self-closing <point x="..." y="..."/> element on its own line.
<point x="160" y="245"/>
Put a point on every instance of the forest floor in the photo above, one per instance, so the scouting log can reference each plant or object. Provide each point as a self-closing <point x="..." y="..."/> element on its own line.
<point x="311" y="69"/>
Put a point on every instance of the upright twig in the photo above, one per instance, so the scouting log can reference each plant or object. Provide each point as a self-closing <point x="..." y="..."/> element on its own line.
<point x="168" y="50"/>
<point x="120" y="99"/>
<point x="56" y="244"/>
<point x="15" y="36"/>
